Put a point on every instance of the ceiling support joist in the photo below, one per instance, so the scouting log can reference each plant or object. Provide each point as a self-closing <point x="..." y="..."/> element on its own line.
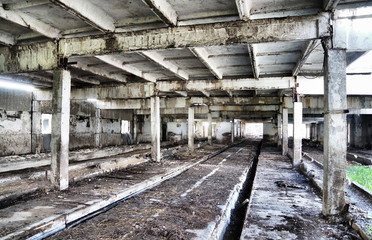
<point x="25" y="4"/>
<point x="158" y="59"/>
<point x="244" y="9"/>
<point x="116" y="62"/>
<point x="253" y="57"/>
<point x="163" y="10"/>
<point x="330" y="5"/>
<point x="29" y="22"/>
<point x="89" y="13"/>
<point x="309" y="47"/>
<point x="7" y="39"/>
<point x="203" y="55"/>
<point x="116" y="77"/>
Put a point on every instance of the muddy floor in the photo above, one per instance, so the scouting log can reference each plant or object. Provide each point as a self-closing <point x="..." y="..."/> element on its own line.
<point x="185" y="207"/>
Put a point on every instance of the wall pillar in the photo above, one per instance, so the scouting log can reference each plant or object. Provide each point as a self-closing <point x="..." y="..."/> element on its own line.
<point x="97" y="128"/>
<point x="60" y="128"/>
<point x="155" y="128"/>
<point x="209" y="128"/>
<point x="297" y="136"/>
<point x="191" y="133"/>
<point x="232" y="131"/>
<point x="135" y="128"/>
<point x="313" y="132"/>
<point x="285" y="132"/>
<point x="37" y="136"/>
<point x="335" y="130"/>
<point x="279" y="126"/>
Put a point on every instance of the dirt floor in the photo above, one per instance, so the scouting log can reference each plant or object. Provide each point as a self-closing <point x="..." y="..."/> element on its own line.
<point x="185" y="207"/>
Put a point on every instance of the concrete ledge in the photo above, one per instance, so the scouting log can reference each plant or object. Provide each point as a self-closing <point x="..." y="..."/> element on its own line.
<point x="358" y="158"/>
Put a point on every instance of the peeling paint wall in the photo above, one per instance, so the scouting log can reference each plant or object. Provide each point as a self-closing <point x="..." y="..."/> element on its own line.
<point x="270" y="132"/>
<point x="176" y="131"/>
<point x="223" y="132"/>
<point x="250" y="130"/>
<point x="15" y="122"/>
<point x="144" y="128"/>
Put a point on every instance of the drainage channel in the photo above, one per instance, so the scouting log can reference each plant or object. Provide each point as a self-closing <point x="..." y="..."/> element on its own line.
<point x="235" y="226"/>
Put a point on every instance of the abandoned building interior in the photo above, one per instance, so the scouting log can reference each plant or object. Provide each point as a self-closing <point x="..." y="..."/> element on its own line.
<point x="185" y="119"/>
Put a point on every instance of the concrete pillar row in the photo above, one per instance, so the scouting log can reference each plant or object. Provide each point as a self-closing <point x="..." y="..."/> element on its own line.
<point x="335" y="130"/>
<point x="297" y="137"/>
<point x="191" y="133"/>
<point x="155" y="129"/>
<point x="279" y="126"/>
<point x="60" y="128"/>
<point x="285" y="132"/>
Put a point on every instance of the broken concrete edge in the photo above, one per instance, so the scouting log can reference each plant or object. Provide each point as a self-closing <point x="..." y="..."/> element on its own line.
<point x="51" y="225"/>
<point x="304" y="169"/>
<point x="307" y="156"/>
<point x="362" y="189"/>
<point x="359" y="159"/>
<point x="227" y="209"/>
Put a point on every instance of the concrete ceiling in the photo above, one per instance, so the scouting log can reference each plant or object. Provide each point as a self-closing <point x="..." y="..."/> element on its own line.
<point x="23" y="22"/>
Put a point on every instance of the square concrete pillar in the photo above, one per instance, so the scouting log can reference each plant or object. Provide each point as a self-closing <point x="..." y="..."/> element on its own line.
<point x="60" y="128"/>
<point x="155" y="129"/>
<point x="97" y="128"/>
<point x="191" y="133"/>
<point x="285" y="132"/>
<point x="297" y="136"/>
<point x="36" y="136"/>
<point x="209" y="128"/>
<point x="232" y="130"/>
<point x="335" y="131"/>
<point x="280" y="133"/>
<point x="135" y="128"/>
<point x="313" y="132"/>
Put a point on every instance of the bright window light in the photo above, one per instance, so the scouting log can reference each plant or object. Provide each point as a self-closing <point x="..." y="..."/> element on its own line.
<point x="92" y="100"/>
<point x="16" y="86"/>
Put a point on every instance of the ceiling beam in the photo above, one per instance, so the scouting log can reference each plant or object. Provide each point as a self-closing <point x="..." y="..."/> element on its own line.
<point x="306" y="51"/>
<point x="37" y="77"/>
<point x="29" y="22"/>
<point x="7" y="38"/>
<point x="116" y="62"/>
<point x="182" y="93"/>
<point x="116" y="77"/>
<point x="89" y="13"/>
<point x="202" y="55"/>
<point x="158" y="59"/>
<point x="206" y="93"/>
<point x="24" y="4"/>
<point x="253" y="58"/>
<point x="84" y="79"/>
<point x="244" y="9"/>
<point x="164" y="11"/>
<point x="330" y="5"/>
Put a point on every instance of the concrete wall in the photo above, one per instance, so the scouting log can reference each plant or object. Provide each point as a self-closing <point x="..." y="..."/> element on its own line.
<point x="15" y="122"/>
<point x="252" y="130"/>
<point x="270" y="132"/>
<point x="176" y="131"/>
<point x="360" y="131"/>
<point x="144" y="128"/>
<point x="223" y="132"/>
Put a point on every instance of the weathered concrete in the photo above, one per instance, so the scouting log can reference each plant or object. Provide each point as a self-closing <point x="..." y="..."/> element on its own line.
<point x="297" y="136"/>
<point x="313" y="132"/>
<point x="232" y="130"/>
<point x="155" y="129"/>
<point x="285" y="132"/>
<point x="360" y="131"/>
<point x="209" y="128"/>
<point x="191" y="131"/>
<point x="36" y="133"/>
<point x="280" y="130"/>
<point x="270" y="131"/>
<point x="60" y="128"/>
<point x="335" y="133"/>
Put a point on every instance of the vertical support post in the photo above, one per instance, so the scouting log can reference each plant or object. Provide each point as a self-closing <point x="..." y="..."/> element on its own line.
<point x="285" y="132"/>
<point x="232" y="130"/>
<point x="155" y="128"/>
<point x="97" y="128"/>
<point x="60" y="128"/>
<point x="36" y="137"/>
<point x="335" y="130"/>
<point x="279" y="123"/>
<point x="297" y="136"/>
<point x="135" y="128"/>
<point x="209" y="128"/>
<point x="191" y="132"/>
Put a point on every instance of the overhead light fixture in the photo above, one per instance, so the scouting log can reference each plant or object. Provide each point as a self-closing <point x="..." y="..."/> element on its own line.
<point x="16" y="86"/>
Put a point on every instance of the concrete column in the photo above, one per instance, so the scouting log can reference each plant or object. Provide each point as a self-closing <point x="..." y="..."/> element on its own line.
<point x="285" y="132"/>
<point x="320" y="132"/>
<point x="36" y="136"/>
<point x="155" y="129"/>
<point x="60" y="128"/>
<point x="209" y="128"/>
<point x="279" y="125"/>
<point x="191" y="132"/>
<point x="135" y="129"/>
<point x="97" y="128"/>
<point x="232" y="131"/>
<point x="335" y="131"/>
<point x="313" y="132"/>
<point x="297" y="136"/>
